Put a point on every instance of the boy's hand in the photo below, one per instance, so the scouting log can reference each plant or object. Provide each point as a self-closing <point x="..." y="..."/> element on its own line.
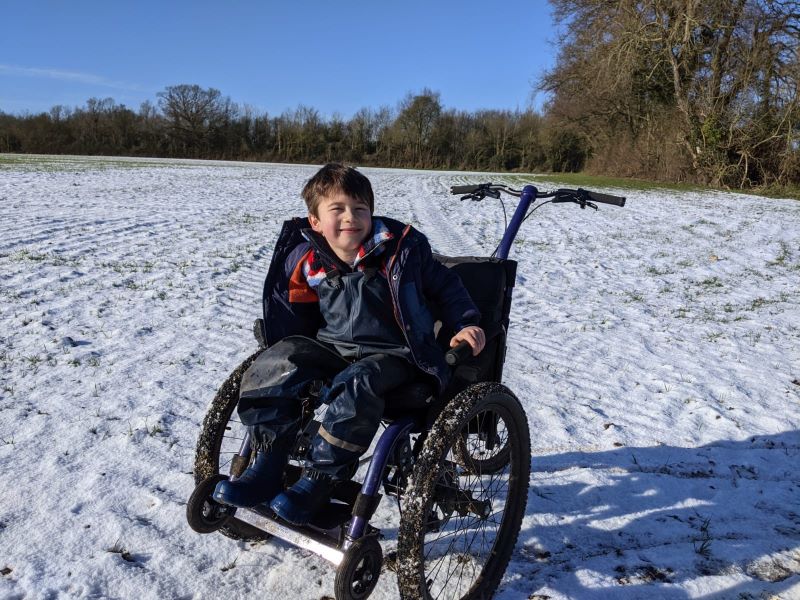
<point x="473" y="335"/>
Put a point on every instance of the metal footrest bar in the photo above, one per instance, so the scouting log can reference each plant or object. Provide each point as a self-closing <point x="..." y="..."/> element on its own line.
<point x="316" y="543"/>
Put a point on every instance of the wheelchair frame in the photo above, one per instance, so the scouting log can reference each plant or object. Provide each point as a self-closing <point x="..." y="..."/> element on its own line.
<point x="393" y="448"/>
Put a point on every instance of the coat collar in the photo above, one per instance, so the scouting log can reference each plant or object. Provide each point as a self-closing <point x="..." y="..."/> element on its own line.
<point x="373" y="245"/>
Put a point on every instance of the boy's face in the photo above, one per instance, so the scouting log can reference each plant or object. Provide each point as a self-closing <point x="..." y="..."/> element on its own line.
<point x="344" y="222"/>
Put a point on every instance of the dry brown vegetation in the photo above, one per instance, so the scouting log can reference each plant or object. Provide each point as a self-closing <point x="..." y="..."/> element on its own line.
<point x="682" y="90"/>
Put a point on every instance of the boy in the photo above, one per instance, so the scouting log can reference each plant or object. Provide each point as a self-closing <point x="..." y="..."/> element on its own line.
<point x="346" y="301"/>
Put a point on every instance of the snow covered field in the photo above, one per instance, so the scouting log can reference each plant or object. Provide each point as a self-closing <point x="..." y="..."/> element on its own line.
<point x="656" y="349"/>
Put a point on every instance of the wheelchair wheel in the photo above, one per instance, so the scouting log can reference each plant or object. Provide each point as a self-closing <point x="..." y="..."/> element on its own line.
<point x="219" y="443"/>
<point x="483" y="446"/>
<point x="459" y="523"/>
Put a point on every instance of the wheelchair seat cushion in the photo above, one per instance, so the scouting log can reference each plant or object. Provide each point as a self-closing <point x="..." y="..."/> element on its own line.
<point x="409" y="397"/>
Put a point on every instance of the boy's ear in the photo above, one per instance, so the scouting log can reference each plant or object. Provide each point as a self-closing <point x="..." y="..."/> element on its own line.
<point x="315" y="224"/>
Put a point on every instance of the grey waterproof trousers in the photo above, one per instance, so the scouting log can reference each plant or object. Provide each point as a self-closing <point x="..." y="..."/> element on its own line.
<point x="354" y="392"/>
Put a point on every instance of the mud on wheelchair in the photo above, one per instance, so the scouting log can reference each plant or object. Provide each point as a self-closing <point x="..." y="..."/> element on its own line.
<point x="457" y="464"/>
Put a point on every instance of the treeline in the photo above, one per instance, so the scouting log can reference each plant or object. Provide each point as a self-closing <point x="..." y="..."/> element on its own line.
<point x="678" y="90"/>
<point x="682" y="90"/>
<point x="193" y="122"/>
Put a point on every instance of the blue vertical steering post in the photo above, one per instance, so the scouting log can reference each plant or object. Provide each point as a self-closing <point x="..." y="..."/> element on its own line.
<point x="526" y="198"/>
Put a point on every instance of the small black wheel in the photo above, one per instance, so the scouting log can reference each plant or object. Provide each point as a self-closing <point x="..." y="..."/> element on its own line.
<point x="460" y="522"/>
<point x="483" y="445"/>
<point x="202" y="512"/>
<point x="219" y="443"/>
<point x="357" y="575"/>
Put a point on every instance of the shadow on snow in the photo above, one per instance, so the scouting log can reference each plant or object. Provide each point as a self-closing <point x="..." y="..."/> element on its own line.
<point x="655" y="521"/>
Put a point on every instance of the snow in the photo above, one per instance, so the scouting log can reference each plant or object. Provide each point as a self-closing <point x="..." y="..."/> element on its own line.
<point x="656" y="349"/>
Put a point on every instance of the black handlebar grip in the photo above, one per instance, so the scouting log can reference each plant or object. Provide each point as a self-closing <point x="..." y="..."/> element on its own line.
<point x="464" y="189"/>
<point x="606" y="198"/>
<point x="458" y="354"/>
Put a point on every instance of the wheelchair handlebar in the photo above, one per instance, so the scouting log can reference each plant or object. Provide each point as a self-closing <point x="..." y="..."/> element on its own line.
<point x="466" y="189"/>
<point x="462" y="351"/>
<point x="459" y="354"/>
<point x="580" y="196"/>
<point x="604" y="198"/>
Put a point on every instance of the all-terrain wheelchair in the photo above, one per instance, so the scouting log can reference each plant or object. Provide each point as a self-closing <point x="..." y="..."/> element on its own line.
<point x="457" y="464"/>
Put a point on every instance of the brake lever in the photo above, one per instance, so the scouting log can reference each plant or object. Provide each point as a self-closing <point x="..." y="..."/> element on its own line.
<point x="476" y="196"/>
<point x="582" y="199"/>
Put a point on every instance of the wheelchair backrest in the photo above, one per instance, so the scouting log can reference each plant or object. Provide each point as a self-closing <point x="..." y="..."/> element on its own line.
<point x="490" y="282"/>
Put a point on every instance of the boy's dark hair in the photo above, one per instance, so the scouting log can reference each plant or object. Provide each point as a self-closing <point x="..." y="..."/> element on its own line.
<point x="336" y="177"/>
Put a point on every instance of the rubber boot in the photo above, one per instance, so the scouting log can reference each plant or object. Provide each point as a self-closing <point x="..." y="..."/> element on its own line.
<point x="301" y="502"/>
<point x="260" y="482"/>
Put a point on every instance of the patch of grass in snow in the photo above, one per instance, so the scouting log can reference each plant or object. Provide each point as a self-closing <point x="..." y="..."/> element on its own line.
<point x="51" y="258"/>
<point x="653" y="270"/>
<point x="781" y="191"/>
<point x="27" y="255"/>
<point x="124" y="266"/>
<point x="761" y="302"/>
<point x="41" y="163"/>
<point x="753" y="337"/>
<point x="229" y="566"/>
<point x="118" y="548"/>
<point x="702" y="543"/>
<point x="156" y="429"/>
<point x="711" y="282"/>
<point x="33" y="360"/>
<point x="643" y="574"/>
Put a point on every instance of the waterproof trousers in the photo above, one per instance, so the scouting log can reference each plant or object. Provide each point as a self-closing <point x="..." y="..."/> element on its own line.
<point x="271" y="389"/>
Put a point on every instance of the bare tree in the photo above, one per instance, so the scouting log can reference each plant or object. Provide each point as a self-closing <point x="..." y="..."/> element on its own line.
<point x="416" y="121"/>
<point x="716" y="77"/>
<point x="192" y="113"/>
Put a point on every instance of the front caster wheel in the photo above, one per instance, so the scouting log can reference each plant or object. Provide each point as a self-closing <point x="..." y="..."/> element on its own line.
<point x="202" y="512"/>
<point x="358" y="573"/>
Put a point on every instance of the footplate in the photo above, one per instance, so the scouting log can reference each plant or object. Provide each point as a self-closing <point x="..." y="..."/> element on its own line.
<point x="308" y="539"/>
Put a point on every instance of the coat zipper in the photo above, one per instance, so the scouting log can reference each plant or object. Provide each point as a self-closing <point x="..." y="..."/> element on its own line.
<point x="396" y="302"/>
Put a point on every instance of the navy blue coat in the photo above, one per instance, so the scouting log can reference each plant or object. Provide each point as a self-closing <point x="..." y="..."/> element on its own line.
<point x="423" y="290"/>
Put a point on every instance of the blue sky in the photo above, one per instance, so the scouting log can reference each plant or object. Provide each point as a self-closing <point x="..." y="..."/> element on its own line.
<point x="332" y="56"/>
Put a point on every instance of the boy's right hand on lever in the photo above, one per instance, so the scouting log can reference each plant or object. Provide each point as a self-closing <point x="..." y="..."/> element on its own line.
<point x="473" y="335"/>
